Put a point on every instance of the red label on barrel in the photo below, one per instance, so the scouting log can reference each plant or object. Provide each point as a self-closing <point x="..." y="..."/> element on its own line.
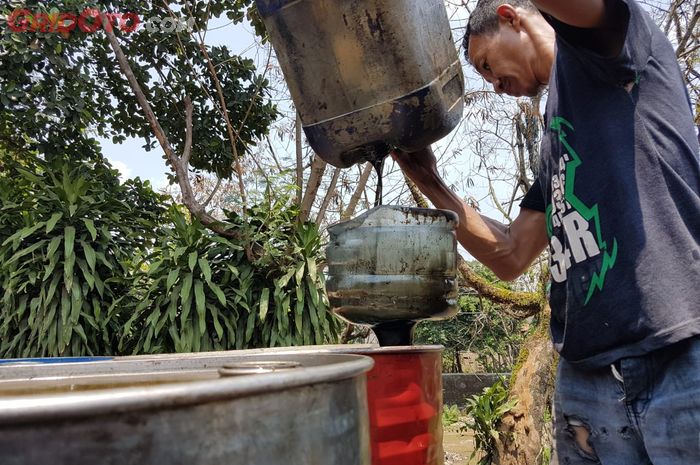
<point x="405" y="397"/>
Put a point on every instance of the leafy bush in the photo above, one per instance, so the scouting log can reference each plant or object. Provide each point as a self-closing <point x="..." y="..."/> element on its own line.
<point x="68" y="235"/>
<point x="205" y="292"/>
<point x="89" y="266"/>
<point x="450" y="415"/>
<point x="486" y="411"/>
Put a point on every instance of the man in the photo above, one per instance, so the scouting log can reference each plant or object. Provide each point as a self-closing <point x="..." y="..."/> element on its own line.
<point x="618" y="201"/>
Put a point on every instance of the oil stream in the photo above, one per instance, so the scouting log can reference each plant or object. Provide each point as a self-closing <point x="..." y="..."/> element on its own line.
<point x="400" y="332"/>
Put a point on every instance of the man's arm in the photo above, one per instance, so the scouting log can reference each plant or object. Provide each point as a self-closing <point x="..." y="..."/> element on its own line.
<point x="507" y="250"/>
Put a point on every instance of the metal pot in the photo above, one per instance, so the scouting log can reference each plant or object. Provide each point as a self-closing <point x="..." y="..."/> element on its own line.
<point x="301" y="408"/>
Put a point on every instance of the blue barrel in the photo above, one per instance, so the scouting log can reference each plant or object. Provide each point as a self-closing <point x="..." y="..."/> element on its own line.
<point x="51" y="360"/>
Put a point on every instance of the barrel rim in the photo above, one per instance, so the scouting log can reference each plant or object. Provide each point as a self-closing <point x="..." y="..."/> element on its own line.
<point x="58" y="407"/>
<point x="375" y="349"/>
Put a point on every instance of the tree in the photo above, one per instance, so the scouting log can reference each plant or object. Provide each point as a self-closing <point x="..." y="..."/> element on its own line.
<point x="202" y="104"/>
<point x="206" y="109"/>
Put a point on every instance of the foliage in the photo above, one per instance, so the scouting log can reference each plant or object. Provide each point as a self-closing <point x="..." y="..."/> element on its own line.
<point x="450" y="415"/>
<point x="54" y="86"/>
<point x="204" y="292"/>
<point x="69" y="233"/>
<point x="89" y="266"/>
<point x="486" y="411"/>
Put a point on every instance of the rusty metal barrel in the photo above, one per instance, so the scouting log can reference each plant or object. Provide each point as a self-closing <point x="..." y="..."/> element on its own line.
<point x="367" y="74"/>
<point x="236" y="408"/>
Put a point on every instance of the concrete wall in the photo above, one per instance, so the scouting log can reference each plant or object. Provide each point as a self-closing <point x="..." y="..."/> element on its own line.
<point x="457" y="388"/>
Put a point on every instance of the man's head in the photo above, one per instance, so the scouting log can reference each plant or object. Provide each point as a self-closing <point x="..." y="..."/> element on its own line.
<point x="510" y="45"/>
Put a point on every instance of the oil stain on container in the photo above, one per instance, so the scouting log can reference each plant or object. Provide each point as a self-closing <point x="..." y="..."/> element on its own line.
<point x="365" y="75"/>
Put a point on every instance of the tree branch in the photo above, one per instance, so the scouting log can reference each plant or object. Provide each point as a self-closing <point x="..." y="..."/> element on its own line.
<point x="329" y="195"/>
<point x="355" y="199"/>
<point x="518" y="304"/>
<point x="420" y="200"/>
<point x="318" y="167"/>
<point x="233" y="138"/>
<point x="178" y="164"/>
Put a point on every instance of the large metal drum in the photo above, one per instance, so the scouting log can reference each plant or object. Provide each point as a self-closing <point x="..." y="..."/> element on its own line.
<point x="404" y="392"/>
<point x="229" y="408"/>
<point x="367" y="74"/>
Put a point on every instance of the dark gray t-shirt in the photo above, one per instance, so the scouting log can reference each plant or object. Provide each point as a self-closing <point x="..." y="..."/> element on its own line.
<point x="620" y="186"/>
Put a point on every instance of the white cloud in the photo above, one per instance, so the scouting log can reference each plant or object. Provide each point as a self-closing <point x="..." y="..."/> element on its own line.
<point x="124" y="170"/>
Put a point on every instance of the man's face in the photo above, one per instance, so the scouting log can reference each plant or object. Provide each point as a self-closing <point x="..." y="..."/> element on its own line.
<point x="506" y="59"/>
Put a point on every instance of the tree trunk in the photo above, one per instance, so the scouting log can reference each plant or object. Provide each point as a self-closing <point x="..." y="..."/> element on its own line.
<point x="355" y="199"/>
<point x="526" y="438"/>
<point x="299" y="160"/>
<point x="318" y="168"/>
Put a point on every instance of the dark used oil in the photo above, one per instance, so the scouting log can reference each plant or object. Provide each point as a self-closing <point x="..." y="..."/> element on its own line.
<point x="395" y="333"/>
<point x="379" y="168"/>
<point x="376" y="154"/>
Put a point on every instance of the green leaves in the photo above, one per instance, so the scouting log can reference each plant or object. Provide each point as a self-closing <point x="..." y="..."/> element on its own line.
<point x="264" y="303"/>
<point x="69" y="257"/>
<point x="49" y="306"/>
<point x="206" y="270"/>
<point x="90" y="225"/>
<point x="52" y="222"/>
<point x="201" y="305"/>
<point x="485" y="412"/>
<point x="61" y="88"/>
<point x="192" y="260"/>
<point x="214" y="297"/>
<point x="98" y="282"/>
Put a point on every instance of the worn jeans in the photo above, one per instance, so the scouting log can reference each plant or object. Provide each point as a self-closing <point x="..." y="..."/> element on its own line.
<point x="639" y="411"/>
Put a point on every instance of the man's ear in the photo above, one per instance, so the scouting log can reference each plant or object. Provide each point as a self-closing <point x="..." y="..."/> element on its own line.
<point x="507" y="14"/>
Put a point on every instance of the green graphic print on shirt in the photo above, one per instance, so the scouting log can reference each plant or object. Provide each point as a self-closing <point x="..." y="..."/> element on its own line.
<point x="580" y="223"/>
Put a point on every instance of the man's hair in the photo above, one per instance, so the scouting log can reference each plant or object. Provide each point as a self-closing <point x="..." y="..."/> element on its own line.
<point x="484" y="19"/>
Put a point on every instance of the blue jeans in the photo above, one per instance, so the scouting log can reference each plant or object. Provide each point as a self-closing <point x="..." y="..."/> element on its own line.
<point x="639" y="411"/>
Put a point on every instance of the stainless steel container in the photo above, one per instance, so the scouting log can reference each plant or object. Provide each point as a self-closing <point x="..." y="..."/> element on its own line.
<point x="392" y="267"/>
<point x="367" y="74"/>
<point x="291" y="407"/>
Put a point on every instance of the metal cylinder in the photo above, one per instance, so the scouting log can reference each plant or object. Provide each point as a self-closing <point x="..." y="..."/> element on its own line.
<point x="366" y="74"/>
<point x="404" y="392"/>
<point x="302" y="408"/>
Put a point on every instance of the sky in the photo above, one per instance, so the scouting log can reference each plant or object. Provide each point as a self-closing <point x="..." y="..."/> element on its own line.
<point x="130" y="158"/>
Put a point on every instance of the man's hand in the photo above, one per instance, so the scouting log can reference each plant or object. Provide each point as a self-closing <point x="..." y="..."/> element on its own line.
<point x="420" y="167"/>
